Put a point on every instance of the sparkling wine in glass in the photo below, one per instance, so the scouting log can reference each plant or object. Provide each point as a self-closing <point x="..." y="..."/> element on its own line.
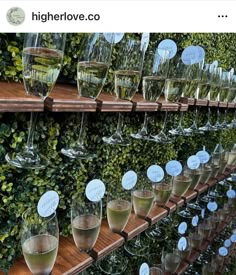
<point x="39" y="241"/>
<point x="42" y="59"/>
<point x="86" y="222"/>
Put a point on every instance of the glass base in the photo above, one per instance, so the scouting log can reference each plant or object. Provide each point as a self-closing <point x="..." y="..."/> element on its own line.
<point x="27" y="159"/>
<point x="179" y="131"/>
<point x="161" y="139"/>
<point x="113" y="264"/>
<point x="185" y="214"/>
<point x="116" y="139"/>
<point x="195" y="206"/>
<point x="136" y="247"/>
<point x="156" y="233"/>
<point x="77" y="151"/>
<point x="140" y="135"/>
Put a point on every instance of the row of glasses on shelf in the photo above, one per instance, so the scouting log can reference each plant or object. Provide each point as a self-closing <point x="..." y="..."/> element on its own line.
<point x="40" y="234"/>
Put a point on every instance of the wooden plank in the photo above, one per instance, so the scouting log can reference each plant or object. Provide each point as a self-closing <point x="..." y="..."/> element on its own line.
<point x="69" y="260"/>
<point x="13" y="98"/>
<point x="211" y="182"/>
<point x="187" y="100"/>
<point x="134" y="227"/>
<point x="189" y="195"/>
<point x="223" y="104"/>
<point x="231" y="105"/>
<point x="156" y="214"/>
<point x="170" y="207"/>
<point x="107" y="241"/>
<point x="201" y="102"/>
<point x="213" y="103"/>
<point x="167" y="106"/>
<point x="177" y="200"/>
<point x="140" y="104"/>
<point x="66" y="98"/>
<point x="201" y="188"/>
<point x="183" y="107"/>
<point x="182" y="268"/>
<point x="110" y="103"/>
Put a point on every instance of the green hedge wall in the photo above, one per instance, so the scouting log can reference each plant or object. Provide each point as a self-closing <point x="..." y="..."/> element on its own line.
<point x="20" y="189"/>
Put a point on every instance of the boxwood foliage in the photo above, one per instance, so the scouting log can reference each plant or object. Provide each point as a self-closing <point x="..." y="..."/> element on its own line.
<point x="20" y="189"/>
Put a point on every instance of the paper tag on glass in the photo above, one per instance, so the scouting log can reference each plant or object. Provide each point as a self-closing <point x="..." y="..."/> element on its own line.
<point x="182" y="244"/>
<point x="129" y="180"/>
<point x="203" y="156"/>
<point x="193" y="162"/>
<point x="190" y="55"/>
<point x="155" y="173"/>
<point x="227" y="243"/>
<point x="173" y="168"/>
<point x="95" y="190"/>
<point x="48" y="203"/>
<point x="233" y="238"/>
<point x="145" y="41"/>
<point x="231" y="194"/>
<point x="182" y="228"/>
<point x="223" y="251"/>
<point x="201" y="53"/>
<point x="195" y="221"/>
<point x="170" y="46"/>
<point x="113" y="37"/>
<point x="144" y="269"/>
<point x="212" y="206"/>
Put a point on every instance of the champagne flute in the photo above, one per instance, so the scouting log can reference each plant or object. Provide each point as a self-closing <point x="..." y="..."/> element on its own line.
<point x="42" y="59"/>
<point x="118" y="213"/>
<point x="92" y="69"/>
<point x="142" y="200"/>
<point x="155" y="72"/>
<point x="86" y="219"/>
<point x="39" y="241"/>
<point x="127" y="77"/>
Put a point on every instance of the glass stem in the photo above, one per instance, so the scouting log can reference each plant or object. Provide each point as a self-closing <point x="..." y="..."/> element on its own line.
<point x="145" y="123"/>
<point x="81" y="131"/>
<point x="120" y="124"/>
<point x="181" y="118"/>
<point x="138" y="240"/>
<point x="208" y="115"/>
<point x="165" y="121"/>
<point x="32" y="126"/>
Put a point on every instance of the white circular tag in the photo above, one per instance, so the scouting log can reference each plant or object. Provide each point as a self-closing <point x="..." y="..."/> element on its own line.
<point x="155" y="173"/>
<point x="201" y="53"/>
<point x="129" y="180"/>
<point x="223" y="251"/>
<point x="48" y="203"/>
<point x="145" y="41"/>
<point x="193" y="162"/>
<point x="170" y="46"/>
<point x="144" y="269"/>
<point x="95" y="190"/>
<point x="190" y="55"/>
<point x="195" y="221"/>
<point x="227" y="243"/>
<point x="203" y="156"/>
<point x="113" y="37"/>
<point x="212" y="206"/>
<point x="233" y="238"/>
<point x="182" y="244"/>
<point x="173" y="168"/>
<point x="182" y="228"/>
<point x="231" y="194"/>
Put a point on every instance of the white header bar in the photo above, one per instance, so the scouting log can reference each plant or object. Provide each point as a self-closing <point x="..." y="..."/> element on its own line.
<point x="118" y="16"/>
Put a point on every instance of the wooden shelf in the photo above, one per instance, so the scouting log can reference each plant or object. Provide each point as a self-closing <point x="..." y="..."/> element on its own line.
<point x="65" y="98"/>
<point x="70" y="260"/>
<point x="13" y="98"/>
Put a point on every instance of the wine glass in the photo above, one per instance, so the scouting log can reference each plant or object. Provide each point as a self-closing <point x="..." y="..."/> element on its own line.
<point x="170" y="260"/>
<point x="118" y="213"/>
<point x="92" y="69"/>
<point x="162" y="191"/>
<point x="42" y="59"/>
<point x="86" y="219"/>
<point x="208" y="126"/>
<point x="155" y="71"/>
<point x="127" y="73"/>
<point x="142" y="200"/>
<point x="39" y="241"/>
